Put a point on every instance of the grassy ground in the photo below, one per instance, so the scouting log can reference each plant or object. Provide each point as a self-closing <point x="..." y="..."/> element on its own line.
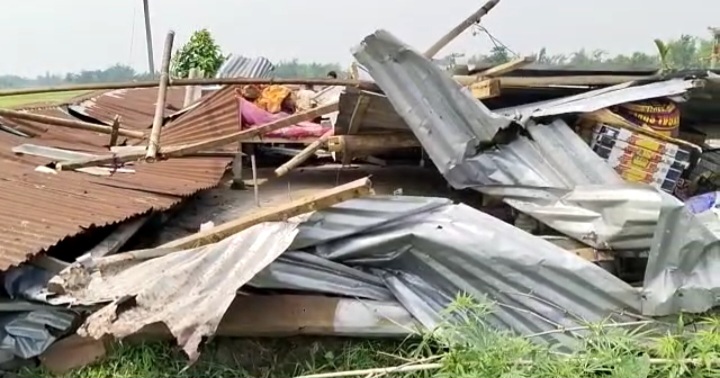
<point x="240" y="358"/>
<point x="50" y="98"/>
<point x="463" y="346"/>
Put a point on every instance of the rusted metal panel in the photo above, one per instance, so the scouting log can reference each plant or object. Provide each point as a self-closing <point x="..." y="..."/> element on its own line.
<point x="215" y="116"/>
<point x="41" y="209"/>
<point x="56" y="136"/>
<point x="136" y="107"/>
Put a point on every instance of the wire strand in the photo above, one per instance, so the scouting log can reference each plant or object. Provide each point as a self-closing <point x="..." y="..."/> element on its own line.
<point x="496" y="41"/>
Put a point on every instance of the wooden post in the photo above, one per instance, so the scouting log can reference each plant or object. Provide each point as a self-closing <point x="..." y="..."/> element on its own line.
<point x="253" y="165"/>
<point x="209" y="144"/>
<point x="55" y="121"/>
<point x="115" y="130"/>
<point x="363" y="145"/>
<point x="154" y="142"/>
<point x="305" y="154"/>
<point x="461" y="27"/>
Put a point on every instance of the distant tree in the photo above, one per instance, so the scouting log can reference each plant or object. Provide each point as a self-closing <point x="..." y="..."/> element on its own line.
<point x="498" y="55"/>
<point x="294" y="68"/>
<point x="200" y="52"/>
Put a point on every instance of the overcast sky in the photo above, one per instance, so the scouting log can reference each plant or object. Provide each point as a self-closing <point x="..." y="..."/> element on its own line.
<point x="69" y="35"/>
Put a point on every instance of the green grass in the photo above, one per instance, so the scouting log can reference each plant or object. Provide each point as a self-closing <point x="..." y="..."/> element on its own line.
<point x="463" y="346"/>
<point x="38" y="98"/>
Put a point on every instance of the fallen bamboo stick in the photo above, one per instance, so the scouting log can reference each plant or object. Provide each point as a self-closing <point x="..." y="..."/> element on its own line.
<point x="154" y="142"/>
<point x="192" y="82"/>
<point x="322" y="200"/>
<point x="305" y="154"/>
<point x="461" y="27"/>
<point x="55" y="121"/>
<point x="182" y="150"/>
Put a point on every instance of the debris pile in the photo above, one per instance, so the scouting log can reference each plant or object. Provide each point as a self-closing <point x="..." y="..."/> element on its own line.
<point x="574" y="198"/>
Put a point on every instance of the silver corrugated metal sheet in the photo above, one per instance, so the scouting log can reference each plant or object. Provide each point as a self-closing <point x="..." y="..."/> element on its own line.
<point x="683" y="265"/>
<point x="445" y="117"/>
<point x="28" y="329"/>
<point x="240" y="66"/>
<point x="538" y="173"/>
<point x="421" y="251"/>
<point x="189" y="291"/>
<point x="591" y="101"/>
<point x="427" y="257"/>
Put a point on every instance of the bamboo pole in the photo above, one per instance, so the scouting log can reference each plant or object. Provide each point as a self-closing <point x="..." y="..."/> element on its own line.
<point x="73" y="124"/>
<point x="192" y="82"/>
<point x="154" y="142"/>
<point x="186" y="149"/>
<point x="305" y="154"/>
<point x="319" y="201"/>
<point x="461" y="27"/>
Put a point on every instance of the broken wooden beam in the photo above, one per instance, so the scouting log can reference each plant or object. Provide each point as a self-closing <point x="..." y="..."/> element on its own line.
<point x="115" y="130"/>
<point x="303" y="156"/>
<point x="364" y="145"/>
<point x="187" y="149"/>
<point x="461" y="27"/>
<point x="73" y="124"/>
<point x="154" y="142"/>
<point x="504" y="68"/>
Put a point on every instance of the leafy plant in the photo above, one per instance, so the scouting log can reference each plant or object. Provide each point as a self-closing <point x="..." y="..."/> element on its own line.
<point x="200" y="52"/>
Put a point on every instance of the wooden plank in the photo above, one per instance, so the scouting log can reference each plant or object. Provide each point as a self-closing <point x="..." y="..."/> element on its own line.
<point x="485" y="89"/>
<point x="322" y="200"/>
<point x="209" y="144"/>
<point x="502" y="69"/>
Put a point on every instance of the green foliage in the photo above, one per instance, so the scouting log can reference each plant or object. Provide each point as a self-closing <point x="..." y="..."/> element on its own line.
<point x="200" y="52"/>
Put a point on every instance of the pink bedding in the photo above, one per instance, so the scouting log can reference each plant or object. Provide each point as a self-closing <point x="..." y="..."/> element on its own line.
<point x="252" y="116"/>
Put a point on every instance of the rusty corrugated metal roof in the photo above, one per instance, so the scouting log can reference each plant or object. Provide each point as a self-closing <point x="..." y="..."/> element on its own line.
<point x="59" y="137"/>
<point x="42" y="209"/>
<point x="135" y="106"/>
<point x="215" y="116"/>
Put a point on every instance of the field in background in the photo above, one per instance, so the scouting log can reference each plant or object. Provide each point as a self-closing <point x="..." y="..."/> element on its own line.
<point x="38" y="98"/>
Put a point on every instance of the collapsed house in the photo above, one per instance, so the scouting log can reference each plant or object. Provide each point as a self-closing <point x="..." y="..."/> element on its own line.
<point x="607" y="179"/>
